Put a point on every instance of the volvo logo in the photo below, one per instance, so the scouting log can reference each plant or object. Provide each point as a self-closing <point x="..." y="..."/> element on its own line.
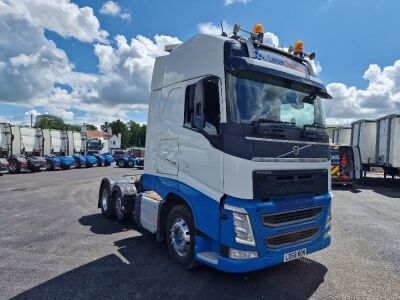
<point x="296" y="150"/>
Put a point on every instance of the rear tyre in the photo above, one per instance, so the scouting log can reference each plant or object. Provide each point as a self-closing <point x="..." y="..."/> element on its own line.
<point x="121" y="163"/>
<point x="49" y="166"/>
<point x="106" y="203"/>
<point x="119" y="207"/>
<point x="14" y="167"/>
<point x="180" y="236"/>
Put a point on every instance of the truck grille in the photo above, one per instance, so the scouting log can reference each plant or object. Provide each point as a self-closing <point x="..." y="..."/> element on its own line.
<point x="292" y="237"/>
<point x="291" y="217"/>
<point x="269" y="184"/>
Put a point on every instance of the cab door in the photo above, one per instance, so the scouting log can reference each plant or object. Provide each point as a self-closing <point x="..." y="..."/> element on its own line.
<point x="200" y="163"/>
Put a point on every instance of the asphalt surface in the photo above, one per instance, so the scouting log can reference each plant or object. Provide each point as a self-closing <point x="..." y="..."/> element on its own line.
<point x="54" y="244"/>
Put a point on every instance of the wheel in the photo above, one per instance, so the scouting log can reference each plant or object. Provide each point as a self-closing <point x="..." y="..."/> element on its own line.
<point x="131" y="164"/>
<point x="49" y="166"/>
<point x="180" y="235"/>
<point x="118" y="207"/>
<point x="14" y="167"/>
<point x="121" y="163"/>
<point x="106" y="205"/>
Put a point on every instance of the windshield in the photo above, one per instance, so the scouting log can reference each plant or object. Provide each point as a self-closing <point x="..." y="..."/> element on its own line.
<point x="254" y="97"/>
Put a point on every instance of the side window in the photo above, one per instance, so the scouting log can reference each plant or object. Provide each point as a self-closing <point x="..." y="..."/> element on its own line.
<point x="202" y="110"/>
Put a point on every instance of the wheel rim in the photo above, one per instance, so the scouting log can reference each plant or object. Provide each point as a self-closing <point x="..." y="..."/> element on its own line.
<point x="118" y="207"/>
<point x="13" y="167"/>
<point x="180" y="237"/>
<point x="130" y="164"/>
<point x="121" y="163"/>
<point x="104" y="199"/>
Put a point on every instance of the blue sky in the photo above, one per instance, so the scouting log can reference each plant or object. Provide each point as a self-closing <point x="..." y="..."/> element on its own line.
<point x="347" y="36"/>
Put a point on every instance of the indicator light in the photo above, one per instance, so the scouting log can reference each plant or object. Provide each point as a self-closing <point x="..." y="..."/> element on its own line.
<point x="258" y="28"/>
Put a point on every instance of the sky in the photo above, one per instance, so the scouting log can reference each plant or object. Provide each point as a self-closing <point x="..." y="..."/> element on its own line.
<point x="90" y="61"/>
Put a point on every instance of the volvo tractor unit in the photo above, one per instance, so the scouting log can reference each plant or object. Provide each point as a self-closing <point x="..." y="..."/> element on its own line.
<point x="21" y="148"/>
<point x="237" y="162"/>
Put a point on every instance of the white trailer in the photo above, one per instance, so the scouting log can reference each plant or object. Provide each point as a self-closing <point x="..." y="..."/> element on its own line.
<point x="388" y="144"/>
<point x="341" y="136"/>
<point x="74" y="142"/>
<point x="52" y="141"/>
<point x="363" y="135"/>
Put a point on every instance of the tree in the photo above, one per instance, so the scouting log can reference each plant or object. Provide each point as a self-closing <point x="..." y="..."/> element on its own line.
<point x="142" y="135"/>
<point x="120" y="127"/>
<point x="134" y="132"/>
<point x="90" y="127"/>
<point x="49" y="122"/>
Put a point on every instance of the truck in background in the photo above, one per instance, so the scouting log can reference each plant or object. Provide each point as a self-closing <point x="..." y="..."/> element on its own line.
<point x="99" y="150"/>
<point x="388" y="144"/>
<point x="237" y="162"/>
<point x="20" y="148"/>
<point x="54" y="150"/>
<point x="4" y="166"/>
<point x="363" y="136"/>
<point x="345" y="164"/>
<point x="341" y="136"/>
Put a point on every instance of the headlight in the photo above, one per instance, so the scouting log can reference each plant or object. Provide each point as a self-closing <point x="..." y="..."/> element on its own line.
<point x="243" y="232"/>
<point x="329" y="219"/>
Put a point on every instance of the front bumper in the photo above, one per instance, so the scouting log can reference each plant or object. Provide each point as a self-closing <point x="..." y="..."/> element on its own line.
<point x="265" y="229"/>
<point x="246" y="265"/>
<point x="4" y="169"/>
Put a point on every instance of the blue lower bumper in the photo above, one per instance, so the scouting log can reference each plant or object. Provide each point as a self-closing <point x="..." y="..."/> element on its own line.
<point x="246" y="265"/>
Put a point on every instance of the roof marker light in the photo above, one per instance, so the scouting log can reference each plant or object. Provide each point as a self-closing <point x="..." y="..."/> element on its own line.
<point x="258" y="28"/>
<point x="298" y="47"/>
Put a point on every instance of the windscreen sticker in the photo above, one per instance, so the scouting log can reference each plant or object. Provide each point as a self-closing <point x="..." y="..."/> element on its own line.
<point x="280" y="60"/>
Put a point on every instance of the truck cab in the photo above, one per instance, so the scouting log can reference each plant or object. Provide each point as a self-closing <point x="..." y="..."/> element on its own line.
<point x="237" y="154"/>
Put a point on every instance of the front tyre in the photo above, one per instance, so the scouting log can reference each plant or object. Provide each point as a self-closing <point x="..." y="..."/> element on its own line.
<point x="106" y="203"/>
<point x="180" y="236"/>
<point x="131" y="164"/>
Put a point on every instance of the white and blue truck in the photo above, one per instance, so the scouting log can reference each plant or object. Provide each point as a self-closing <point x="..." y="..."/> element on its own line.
<point x="237" y="162"/>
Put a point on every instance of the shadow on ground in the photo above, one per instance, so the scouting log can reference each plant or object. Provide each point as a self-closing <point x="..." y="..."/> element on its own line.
<point x="387" y="187"/>
<point x="149" y="273"/>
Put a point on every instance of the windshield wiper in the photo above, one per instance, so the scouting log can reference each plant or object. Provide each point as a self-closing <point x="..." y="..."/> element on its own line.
<point x="270" y="121"/>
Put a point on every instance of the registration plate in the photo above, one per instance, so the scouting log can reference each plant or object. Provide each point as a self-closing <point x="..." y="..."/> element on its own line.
<point x="294" y="255"/>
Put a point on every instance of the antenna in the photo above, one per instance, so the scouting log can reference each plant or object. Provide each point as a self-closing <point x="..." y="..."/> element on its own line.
<point x="223" y="32"/>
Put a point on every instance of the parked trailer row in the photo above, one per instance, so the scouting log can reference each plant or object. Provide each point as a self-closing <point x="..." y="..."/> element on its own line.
<point x="379" y="143"/>
<point x="25" y="149"/>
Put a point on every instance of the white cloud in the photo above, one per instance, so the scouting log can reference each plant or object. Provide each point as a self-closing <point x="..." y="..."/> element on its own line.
<point x="211" y="28"/>
<point x="112" y="8"/>
<point x="62" y="16"/>
<point x="127" y="68"/>
<point x="230" y="2"/>
<point x="382" y="96"/>
<point x="34" y="73"/>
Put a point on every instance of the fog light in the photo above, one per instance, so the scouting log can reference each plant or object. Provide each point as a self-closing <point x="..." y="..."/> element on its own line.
<point x="327" y="234"/>
<point x="242" y="254"/>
